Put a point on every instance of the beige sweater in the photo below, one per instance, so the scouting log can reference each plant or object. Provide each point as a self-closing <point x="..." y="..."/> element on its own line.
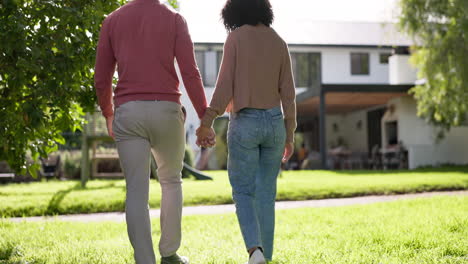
<point x="255" y="73"/>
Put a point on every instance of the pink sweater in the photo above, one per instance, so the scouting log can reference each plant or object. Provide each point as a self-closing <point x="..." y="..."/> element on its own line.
<point x="142" y="38"/>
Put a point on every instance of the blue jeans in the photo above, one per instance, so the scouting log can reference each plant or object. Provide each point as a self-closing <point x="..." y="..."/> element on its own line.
<point x="256" y="140"/>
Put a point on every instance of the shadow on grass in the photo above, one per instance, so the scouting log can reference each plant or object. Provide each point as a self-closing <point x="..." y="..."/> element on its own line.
<point x="7" y="252"/>
<point x="428" y="170"/>
<point x="57" y="198"/>
<point x="10" y="253"/>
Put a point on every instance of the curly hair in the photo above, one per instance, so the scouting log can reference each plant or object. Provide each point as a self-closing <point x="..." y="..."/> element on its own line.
<point x="237" y="13"/>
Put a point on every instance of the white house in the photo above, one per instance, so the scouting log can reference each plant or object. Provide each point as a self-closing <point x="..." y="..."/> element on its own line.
<point x="352" y="80"/>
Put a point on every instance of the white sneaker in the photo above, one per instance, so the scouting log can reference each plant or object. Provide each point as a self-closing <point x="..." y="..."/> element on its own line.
<point x="257" y="257"/>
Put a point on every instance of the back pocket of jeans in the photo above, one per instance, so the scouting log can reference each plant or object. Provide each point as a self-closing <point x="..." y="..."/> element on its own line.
<point x="244" y="132"/>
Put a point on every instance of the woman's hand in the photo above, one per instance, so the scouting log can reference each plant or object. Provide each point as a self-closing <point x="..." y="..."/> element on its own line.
<point x="288" y="152"/>
<point x="206" y="137"/>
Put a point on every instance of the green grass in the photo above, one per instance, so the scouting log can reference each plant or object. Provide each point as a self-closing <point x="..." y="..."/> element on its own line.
<point x="50" y="198"/>
<point x="428" y="230"/>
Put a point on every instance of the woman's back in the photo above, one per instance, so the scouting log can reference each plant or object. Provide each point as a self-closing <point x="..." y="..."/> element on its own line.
<point x="259" y="57"/>
<point x="255" y="82"/>
<point x="255" y="73"/>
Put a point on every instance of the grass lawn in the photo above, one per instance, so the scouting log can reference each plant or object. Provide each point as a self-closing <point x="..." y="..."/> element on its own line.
<point x="426" y="230"/>
<point x="55" y="197"/>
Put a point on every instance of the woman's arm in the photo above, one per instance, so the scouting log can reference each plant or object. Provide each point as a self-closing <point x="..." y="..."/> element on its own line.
<point x="288" y="95"/>
<point x="225" y="84"/>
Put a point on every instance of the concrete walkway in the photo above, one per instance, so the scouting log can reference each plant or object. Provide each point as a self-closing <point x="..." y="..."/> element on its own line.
<point x="221" y="209"/>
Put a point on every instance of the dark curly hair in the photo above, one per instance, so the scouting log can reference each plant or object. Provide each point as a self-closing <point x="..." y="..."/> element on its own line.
<point x="237" y="13"/>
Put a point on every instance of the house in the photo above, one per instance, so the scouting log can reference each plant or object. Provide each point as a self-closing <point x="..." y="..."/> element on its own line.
<point x="352" y="80"/>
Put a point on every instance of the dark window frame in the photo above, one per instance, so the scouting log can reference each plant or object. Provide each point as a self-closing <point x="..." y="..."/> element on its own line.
<point x="310" y="81"/>
<point x="384" y="57"/>
<point x="391" y="133"/>
<point x="360" y="69"/>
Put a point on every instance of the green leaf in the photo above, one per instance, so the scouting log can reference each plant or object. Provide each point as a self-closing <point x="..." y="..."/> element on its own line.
<point x="34" y="169"/>
<point x="47" y="55"/>
<point x="441" y="31"/>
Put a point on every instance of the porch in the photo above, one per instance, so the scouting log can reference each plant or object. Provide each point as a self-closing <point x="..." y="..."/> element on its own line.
<point x="343" y="124"/>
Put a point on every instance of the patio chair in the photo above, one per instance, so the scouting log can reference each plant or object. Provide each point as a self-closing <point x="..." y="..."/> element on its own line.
<point x="355" y="161"/>
<point x="402" y="156"/>
<point x="375" y="161"/>
<point x="396" y="159"/>
<point x="50" y="167"/>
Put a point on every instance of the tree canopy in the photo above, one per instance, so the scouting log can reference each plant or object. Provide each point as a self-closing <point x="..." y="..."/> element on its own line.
<point x="440" y="29"/>
<point x="47" y="56"/>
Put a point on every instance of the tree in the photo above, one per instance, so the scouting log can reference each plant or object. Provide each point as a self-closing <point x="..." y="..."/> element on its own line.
<point x="440" y="29"/>
<point x="47" y="55"/>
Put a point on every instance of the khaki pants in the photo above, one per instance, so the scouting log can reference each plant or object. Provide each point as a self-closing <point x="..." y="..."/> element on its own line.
<point x="139" y="127"/>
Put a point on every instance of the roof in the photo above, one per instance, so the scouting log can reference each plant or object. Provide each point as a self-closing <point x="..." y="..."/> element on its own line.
<point x="308" y="22"/>
<point x="345" y="98"/>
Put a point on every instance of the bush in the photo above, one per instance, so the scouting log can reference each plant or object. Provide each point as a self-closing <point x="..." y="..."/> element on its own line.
<point x="71" y="163"/>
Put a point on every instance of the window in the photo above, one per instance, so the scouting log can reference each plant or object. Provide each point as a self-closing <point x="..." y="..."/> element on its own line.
<point x="391" y="132"/>
<point x="360" y="64"/>
<point x="209" y="62"/>
<point x="306" y="69"/>
<point x="384" y="58"/>
<point x="200" y="58"/>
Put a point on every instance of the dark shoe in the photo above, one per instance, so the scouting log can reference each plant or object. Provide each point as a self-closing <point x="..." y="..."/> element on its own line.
<point x="174" y="259"/>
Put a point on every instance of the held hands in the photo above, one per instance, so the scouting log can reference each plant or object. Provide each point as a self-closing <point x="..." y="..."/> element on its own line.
<point x="206" y="137"/>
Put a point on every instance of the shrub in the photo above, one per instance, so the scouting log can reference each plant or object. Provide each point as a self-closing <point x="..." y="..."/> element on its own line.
<point x="71" y="163"/>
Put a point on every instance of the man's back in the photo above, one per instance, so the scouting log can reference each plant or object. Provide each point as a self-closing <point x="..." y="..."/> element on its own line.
<point x="143" y="37"/>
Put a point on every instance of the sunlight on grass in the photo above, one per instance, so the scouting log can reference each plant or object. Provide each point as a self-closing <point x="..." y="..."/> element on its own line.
<point x="49" y="198"/>
<point x="429" y="230"/>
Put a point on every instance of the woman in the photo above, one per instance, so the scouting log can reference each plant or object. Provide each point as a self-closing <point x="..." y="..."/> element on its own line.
<point x="254" y="83"/>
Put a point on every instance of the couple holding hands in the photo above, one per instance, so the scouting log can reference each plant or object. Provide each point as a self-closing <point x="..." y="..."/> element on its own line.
<point x="255" y="85"/>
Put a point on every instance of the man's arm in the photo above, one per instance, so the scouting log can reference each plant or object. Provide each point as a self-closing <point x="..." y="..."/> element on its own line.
<point x="188" y="67"/>
<point x="104" y="71"/>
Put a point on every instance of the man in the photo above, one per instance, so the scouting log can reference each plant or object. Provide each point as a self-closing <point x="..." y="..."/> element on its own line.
<point x="143" y="38"/>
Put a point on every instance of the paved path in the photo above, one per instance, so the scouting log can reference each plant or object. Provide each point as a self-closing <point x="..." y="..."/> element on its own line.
<point x="229" y="208"/>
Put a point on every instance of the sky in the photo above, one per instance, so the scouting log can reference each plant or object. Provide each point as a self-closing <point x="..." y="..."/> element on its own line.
<point x="323" y="10"/>
<point x="294" y="19"/>
<point x="339" y="10"/>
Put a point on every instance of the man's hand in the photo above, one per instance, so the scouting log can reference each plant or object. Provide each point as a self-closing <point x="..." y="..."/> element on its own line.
<point x="206" y="137"/>
<point x="109" y="121"/>
<point x="288" y="152"/>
